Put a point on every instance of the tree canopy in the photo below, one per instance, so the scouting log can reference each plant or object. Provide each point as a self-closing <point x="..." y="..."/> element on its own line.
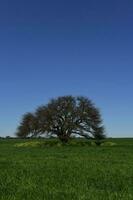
<point x="63" y="117"/>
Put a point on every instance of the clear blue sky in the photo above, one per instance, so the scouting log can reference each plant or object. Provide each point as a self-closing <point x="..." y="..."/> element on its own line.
<point x="57" y="47"/>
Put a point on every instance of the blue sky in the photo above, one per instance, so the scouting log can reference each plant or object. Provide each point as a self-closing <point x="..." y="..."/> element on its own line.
<point x="52" y="48"/>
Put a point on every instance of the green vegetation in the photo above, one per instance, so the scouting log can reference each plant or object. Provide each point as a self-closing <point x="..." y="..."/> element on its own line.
<point x="70" y="172"/>
<point x="63" y="117"/>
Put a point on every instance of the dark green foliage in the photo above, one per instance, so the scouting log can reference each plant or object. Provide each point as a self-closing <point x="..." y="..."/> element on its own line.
<point x="28" y="126"/>
<point x="64" y="117"/>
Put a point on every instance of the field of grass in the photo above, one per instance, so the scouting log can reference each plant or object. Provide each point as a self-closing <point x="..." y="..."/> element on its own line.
<point x="66" y="172"/>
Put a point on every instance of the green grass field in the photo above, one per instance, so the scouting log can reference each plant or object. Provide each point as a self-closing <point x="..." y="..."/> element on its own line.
<point x="68" y="172"/>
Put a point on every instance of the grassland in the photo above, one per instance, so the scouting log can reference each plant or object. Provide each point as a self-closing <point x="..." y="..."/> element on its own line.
<point x="66" y="173"/>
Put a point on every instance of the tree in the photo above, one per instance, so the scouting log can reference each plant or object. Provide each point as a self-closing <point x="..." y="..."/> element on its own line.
<point x="69" y="115"/>
<point x="28" y="126"/>
<point x="63" y="117"/>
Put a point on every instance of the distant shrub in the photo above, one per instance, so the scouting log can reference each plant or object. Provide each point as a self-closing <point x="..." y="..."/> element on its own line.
<point x="93" y="143"/>
<point x="108" y="144"/>
<point x="46" y="143"/>
<point x="29" y="144"/>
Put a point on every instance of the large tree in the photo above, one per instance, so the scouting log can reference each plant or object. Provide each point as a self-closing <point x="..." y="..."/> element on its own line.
<point x="69" y="115"/>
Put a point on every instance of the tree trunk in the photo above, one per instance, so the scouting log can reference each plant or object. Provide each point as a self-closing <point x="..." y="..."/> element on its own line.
<point x="64" y="138"/>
